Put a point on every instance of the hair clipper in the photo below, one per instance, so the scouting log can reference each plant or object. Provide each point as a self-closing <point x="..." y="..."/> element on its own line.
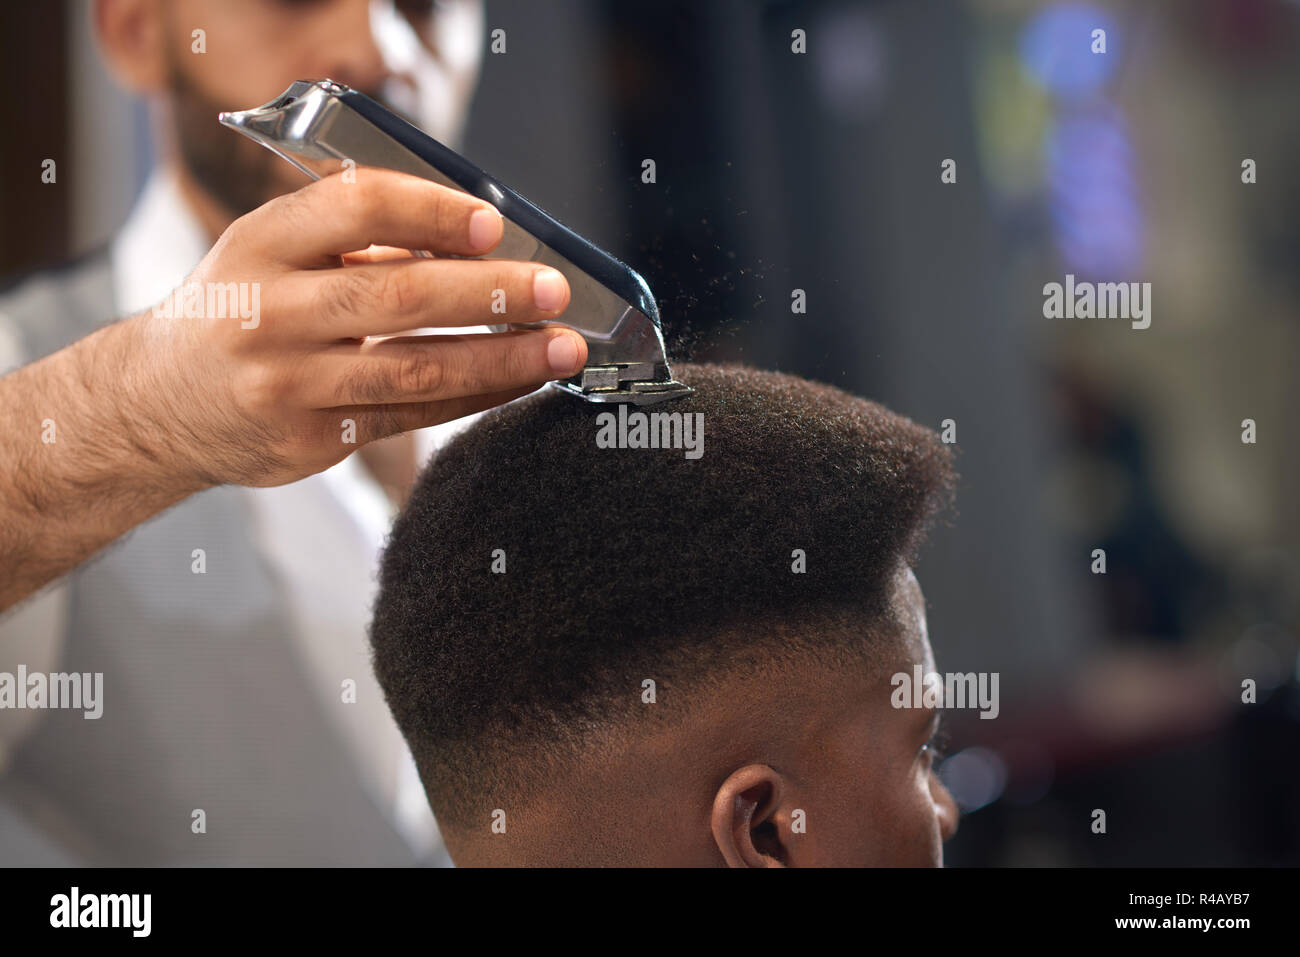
<point x="318" y="125"/>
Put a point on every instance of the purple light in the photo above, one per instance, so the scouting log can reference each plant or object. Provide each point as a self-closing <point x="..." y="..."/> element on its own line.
<point x="1056" y="48"/>
<point x="1093" y="193"/>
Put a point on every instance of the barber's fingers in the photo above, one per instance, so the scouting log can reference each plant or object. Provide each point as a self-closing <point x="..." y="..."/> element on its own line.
<point x="353" y="302"/>
<point x="336" y="215"/>
<point x="408" y="369"/>
<point x="380" y="421"/>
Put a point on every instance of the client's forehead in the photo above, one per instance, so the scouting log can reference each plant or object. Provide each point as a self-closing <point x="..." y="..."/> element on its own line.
<point x="799" y="694"/>
<point x="907" y="607"/>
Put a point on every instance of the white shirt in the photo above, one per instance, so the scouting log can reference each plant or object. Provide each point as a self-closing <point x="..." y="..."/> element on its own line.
<point x="322" y="536"/>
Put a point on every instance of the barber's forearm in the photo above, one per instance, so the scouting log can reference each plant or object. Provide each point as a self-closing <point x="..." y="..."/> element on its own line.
<point x="80" y="462"/>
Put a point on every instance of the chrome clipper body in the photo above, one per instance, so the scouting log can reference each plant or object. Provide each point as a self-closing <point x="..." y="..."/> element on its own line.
<point x="319" y="125"/>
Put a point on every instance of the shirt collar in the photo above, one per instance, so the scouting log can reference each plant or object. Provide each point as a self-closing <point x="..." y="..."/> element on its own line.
<point x="158" y="247"/>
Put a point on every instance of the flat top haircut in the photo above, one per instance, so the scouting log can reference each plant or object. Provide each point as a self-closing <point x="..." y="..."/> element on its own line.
<point x="536" y="580"/>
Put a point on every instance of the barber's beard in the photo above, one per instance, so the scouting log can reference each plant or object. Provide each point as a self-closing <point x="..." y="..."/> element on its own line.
<point x="232" y="169"/>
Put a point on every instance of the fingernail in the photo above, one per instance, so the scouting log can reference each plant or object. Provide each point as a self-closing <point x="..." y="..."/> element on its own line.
<point x="549" y="289"/>
<point x="562" y="354"/>
<point x="484" y="229"/>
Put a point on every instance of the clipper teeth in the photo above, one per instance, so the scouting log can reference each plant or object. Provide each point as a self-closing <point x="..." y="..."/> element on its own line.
<point x="632" y="383"/>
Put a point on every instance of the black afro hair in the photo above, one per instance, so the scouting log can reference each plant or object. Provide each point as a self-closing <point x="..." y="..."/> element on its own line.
<point x="625" y="562"/>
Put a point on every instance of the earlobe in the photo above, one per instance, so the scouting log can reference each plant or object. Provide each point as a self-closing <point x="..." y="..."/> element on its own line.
<point x="744" y="822"/>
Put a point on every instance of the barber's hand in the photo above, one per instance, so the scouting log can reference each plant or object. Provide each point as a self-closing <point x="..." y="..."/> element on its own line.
<point x="270" y="398"/>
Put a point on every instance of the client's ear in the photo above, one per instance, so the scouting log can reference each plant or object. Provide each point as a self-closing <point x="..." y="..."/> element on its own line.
<point x="746" y="819"/>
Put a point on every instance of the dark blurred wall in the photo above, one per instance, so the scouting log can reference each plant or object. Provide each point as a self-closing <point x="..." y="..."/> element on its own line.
<point x="820" y="171"/>
<point x="34" y="116"/>
<point x="540" y="119"/>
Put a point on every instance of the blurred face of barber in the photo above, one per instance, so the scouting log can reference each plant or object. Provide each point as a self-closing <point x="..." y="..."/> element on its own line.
<point x="419" y="57"/>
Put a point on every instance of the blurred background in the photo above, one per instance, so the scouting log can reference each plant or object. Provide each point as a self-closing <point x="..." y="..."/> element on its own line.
<point x="821" y="171"/>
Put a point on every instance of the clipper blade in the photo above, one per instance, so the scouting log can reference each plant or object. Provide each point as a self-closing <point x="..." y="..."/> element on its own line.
<point x="642" y="383"/>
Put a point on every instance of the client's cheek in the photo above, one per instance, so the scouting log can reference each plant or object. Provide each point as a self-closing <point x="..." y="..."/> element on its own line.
<point x="912" y="830"/>
<point x="925" y="846"/>
<point x="945" y="808"/>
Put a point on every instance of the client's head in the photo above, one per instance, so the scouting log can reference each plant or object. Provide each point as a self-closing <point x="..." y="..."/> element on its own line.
<point x="631" y="656"/>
